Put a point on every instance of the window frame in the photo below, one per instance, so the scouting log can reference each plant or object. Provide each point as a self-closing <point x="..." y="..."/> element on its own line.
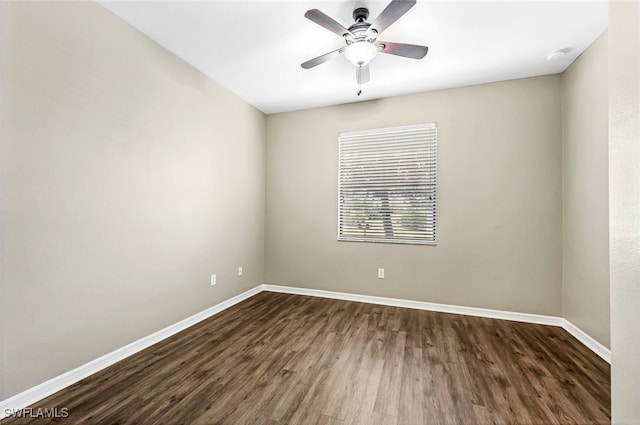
<point x="433" y="165"/>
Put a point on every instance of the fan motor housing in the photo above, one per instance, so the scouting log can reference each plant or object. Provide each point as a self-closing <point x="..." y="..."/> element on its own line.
<point x="359" y="28"/>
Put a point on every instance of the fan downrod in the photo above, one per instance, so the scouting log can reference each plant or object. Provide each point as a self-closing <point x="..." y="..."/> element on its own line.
<point x="361" y="14"/>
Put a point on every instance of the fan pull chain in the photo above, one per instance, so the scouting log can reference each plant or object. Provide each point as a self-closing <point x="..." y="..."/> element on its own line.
<point x="359" y="72"/>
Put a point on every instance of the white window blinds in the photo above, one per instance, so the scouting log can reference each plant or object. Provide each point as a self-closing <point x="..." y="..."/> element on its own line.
<point x="387" y="185"/>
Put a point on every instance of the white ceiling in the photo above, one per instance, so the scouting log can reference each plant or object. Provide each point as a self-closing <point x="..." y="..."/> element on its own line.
<point x="255" y="48"/>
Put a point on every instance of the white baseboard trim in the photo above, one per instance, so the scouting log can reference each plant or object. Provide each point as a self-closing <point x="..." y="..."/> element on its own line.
<point x="576" y="332"/>
<point x="39" y="392"/>
<point x="422" y="305"/>
<point x="587" y="340"/>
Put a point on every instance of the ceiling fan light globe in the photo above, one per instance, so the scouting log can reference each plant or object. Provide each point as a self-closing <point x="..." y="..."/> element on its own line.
<point x="361" y="53"/>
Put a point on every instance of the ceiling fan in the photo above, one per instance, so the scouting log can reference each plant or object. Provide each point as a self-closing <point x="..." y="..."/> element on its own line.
<point x="361" y="38"/>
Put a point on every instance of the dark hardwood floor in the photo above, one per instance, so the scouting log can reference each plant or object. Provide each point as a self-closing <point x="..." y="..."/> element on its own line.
<point x="279" y="359"/>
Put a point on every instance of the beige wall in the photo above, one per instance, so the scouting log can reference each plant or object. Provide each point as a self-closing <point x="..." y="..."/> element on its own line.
<point x="624" y="205"/>
<point x="499" y="200"/>
<point x="585" y="193"/>
<point x="127" y="179"/>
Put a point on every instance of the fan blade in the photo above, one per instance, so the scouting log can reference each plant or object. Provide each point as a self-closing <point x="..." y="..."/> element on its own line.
<point x="326" y="22"/>
<point x="389" y="15"/>
<point x="362" y="74"/>
<point x="323" y="58"/>
<point x="412" y="51"/>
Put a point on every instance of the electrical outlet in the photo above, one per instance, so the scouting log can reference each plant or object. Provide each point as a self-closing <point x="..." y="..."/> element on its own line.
<point x="240" y="271"/>
<point x="380" y="273"/>
<point x="213" y="280"/>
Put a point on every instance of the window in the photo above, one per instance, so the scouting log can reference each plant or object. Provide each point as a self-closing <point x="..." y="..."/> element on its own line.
<point x="387" y="185"/>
